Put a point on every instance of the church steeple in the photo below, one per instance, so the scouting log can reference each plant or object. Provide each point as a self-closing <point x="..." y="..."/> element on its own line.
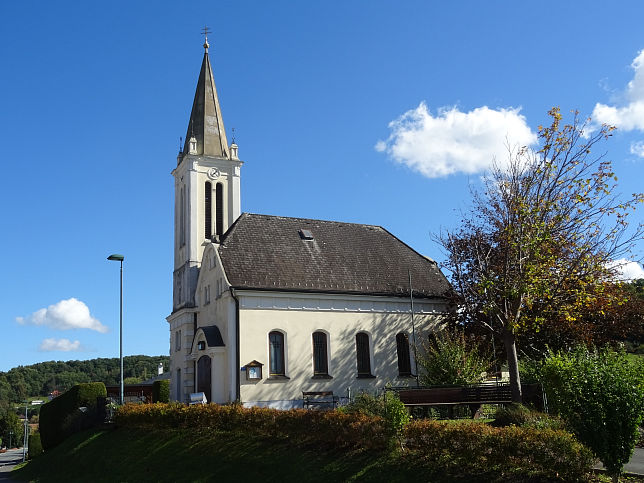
<point x="206" y="125"/>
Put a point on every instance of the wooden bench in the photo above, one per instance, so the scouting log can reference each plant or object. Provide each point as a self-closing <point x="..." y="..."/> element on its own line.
<point x="472" y="396"/>
<point x="319" y="399"/>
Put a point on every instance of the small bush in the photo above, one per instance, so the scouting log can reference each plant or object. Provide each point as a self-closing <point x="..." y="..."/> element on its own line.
<point x="512" y="414"/>
<point x="451" y="359"/>
<point x="518" y="415"/>
<point x="161" y="391"/>
<point x="35" y="446"/>
<point x="389" y="407"/>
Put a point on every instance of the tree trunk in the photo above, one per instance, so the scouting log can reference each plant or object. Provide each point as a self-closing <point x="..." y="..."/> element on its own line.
<point x="513" y="365"/>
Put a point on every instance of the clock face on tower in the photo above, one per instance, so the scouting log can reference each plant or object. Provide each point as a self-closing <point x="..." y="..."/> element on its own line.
<point x="214" y="173"/>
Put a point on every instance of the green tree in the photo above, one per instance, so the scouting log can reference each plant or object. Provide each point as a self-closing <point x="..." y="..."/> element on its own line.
<point x="449" y="358"/>
<point x="10" y="423"/>
<point x="600" y="394"/>
<point x="541" y="235"/>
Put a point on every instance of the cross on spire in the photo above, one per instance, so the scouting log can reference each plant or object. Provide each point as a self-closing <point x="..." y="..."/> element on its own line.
<point x="205" y="31"/>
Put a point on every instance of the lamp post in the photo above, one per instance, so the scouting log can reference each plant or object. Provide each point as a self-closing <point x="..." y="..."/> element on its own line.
<point x="119" y="258"/>
<point x="10" y="437"/>
<point x="25" y="442"/>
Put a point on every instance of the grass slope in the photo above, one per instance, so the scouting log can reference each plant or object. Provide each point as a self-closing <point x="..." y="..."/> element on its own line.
<point x="126" y="455"/>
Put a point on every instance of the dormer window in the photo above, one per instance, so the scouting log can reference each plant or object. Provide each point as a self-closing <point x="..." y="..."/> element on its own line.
<point x="192" y="145"/>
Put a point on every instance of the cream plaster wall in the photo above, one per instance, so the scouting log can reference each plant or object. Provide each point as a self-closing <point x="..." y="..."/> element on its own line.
<point x="341" y="320"/>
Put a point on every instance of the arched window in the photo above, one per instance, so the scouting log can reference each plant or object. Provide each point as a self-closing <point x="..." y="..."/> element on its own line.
<point x="219" y="207"/>
<point x="208" y="211"/>
<point x="363" y="355"/>
<point x="320" y="356"/>
<point x="276" y="353"/>
<point x="404" y="360"/>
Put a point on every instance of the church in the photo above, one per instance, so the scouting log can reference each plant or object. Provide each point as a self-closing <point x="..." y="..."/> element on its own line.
<point x="267" y="307"/>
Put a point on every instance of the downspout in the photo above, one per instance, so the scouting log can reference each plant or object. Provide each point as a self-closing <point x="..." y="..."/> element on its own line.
<point x="237" y="356"/>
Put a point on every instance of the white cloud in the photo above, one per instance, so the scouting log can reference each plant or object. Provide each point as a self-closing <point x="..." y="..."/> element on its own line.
<point x="64" y="315"/>
<point x="59" y="345"/>
<point x="627" y="269"/>
<point x="453" y="141"/>
<point x="630" y="115"/>
<point x="637" y="148"/>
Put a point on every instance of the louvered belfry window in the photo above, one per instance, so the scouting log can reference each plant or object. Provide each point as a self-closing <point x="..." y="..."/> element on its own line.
<point x="404" y="360"/>
<point x="362" y="352"/>
<point x="219" y="207"/>
<point x="320" y="357"/>
<point x="208" y="211"/>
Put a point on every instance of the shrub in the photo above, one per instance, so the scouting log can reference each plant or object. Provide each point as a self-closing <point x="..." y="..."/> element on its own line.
<point x="389" y="407"/>
<point x="497" y="454"/>
<point x="518" y="415"/>
<point x="61" y="416"/>
<point x="600" y="394"/>
<point x="326" y="428"/>
<point x="35" y="446"/>
<point x="450" y="359"/>
<point x="161" y="391"/>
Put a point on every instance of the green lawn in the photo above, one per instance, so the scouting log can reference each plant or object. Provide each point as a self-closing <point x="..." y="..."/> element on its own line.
<point x="125" y="455"/>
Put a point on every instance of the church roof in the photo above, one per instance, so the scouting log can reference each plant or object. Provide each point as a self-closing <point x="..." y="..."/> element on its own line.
<point x="206" y="123"/>
<point x="265" y="252"/>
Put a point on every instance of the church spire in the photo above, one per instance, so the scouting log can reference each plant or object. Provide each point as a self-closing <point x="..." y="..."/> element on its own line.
<point x="206" y="125"/>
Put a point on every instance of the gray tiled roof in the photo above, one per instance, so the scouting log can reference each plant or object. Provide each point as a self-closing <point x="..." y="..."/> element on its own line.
<point x="269" y="253"/>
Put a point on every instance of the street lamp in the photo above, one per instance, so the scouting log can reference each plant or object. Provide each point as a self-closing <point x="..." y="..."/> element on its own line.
<point x="10" y="437"/>
<point x="25" y="442"/>
<point x="119" y="258"/>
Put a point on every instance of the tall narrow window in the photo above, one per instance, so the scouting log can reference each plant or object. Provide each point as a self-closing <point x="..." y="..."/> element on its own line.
<point x="276" y="348"/>
<point x="179" y="392"/>
<point x="182" y="217"/>
<point x="404" y="360"/>
<point x="362" y="352"/>
<point x="320" y="357"/>
<point x="208" y="211"/>
<point x="219" y="207"/>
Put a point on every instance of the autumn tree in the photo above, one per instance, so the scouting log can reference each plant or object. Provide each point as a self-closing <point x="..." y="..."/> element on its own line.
<point x="541" y="235"/>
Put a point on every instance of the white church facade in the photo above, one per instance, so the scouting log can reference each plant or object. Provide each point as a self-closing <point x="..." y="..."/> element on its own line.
<point x="268" y="307"/>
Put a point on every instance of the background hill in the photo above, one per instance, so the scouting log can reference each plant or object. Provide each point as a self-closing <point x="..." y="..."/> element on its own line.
<point x="42" y="378"/>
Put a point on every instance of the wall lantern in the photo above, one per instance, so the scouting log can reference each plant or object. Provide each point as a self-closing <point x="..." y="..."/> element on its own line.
<point x="253" y="371"/>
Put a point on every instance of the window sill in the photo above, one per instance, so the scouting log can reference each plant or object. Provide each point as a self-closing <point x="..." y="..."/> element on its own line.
<point x="322" y="376"/>
<point x="406" y="376"/>
<point x="365" y="376"/>
<point x="278" y="377"/>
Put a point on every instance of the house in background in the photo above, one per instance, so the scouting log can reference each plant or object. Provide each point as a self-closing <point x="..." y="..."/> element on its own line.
<point x="266" y="307"/>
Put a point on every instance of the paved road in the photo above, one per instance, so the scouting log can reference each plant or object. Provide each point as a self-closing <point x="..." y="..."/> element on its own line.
<point x="635" y="465"/>
<point x="7" y="461"/>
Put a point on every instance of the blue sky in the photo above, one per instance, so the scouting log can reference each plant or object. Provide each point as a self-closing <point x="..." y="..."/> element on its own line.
<point x="94" y="97"/>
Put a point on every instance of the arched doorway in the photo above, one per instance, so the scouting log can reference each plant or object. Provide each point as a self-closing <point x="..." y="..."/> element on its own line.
<point x="204" y="376"/>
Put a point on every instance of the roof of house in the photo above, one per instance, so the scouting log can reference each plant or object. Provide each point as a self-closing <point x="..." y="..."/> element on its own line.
<point x="265" y="252"/>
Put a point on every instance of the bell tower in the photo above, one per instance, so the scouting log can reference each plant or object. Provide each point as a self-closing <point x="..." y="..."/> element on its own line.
<point x="206" y="186"/>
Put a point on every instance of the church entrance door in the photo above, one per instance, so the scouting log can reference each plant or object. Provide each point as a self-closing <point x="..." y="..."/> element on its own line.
<point x="204" y="376"/>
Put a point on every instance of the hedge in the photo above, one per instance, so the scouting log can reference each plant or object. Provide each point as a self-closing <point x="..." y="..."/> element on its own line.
<point x="327" y="428"/>
<point x="161" y="391"/>
<point x="501" y="453"/>
<point x="35" y="446"/>
<point x="458" y="449"/>
<point x="60" y="417"/>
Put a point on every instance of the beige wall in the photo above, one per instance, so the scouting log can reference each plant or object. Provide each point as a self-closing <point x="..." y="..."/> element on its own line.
<point x="341" y="318"/>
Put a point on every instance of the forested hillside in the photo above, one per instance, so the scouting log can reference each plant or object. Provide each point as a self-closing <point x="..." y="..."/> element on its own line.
<point x="42" y="378"/>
